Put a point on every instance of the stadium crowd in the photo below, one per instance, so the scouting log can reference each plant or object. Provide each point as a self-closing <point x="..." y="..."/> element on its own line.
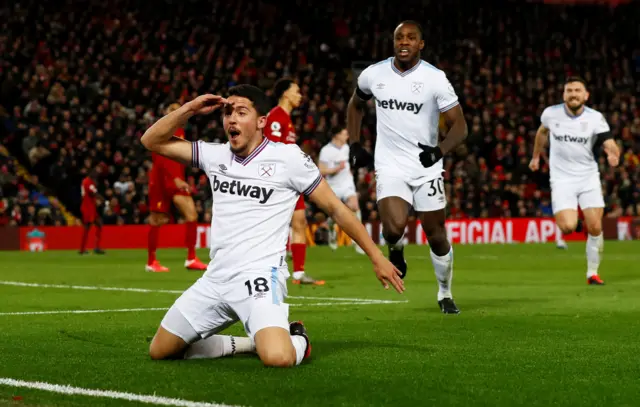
<point x="81" y="81"/>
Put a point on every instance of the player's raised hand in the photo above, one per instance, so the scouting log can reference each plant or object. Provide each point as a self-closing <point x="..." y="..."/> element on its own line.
<point x="342" y="165"/>
<point x="206" y="104"/>
<point x="534" y="164"/>
<point x="388" y="273"/>
<point x="429" y="155"/>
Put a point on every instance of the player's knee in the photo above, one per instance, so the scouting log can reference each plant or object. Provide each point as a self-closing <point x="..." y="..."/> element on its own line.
<point x="191" y="216"/>
<point x="299" y="223"/>
<point x="594" y="228"/>
<point x="567" y="226"/>
<point x="156" y="352"/>
<point x="278" y="358"/>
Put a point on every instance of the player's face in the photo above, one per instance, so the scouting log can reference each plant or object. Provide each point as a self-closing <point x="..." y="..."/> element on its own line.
<point x="242" y="124"/>
<point x="575" y="95"/>
<point x="407" y="43"/>
<point x="294" y="95"/>
<point x="343" y="136"/>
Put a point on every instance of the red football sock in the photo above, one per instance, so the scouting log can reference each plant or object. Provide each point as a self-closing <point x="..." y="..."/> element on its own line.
<point x="190" y="239"/>
<point x="98" y="236"/>
<point x="153" y="243"/>
<point x="298" y="254"/>
<point x="85" y="237"/>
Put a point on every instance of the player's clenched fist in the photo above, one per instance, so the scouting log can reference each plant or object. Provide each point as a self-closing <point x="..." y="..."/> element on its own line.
<point x="206" y="104"/>
<point x="534" y="164"/>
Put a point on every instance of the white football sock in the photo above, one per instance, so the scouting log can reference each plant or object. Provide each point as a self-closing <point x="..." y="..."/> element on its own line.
<point x="300" y="345"/>
<point x="297" y="275"/>
<point x="218" y="346"/>
<point x="443" y="267"/>
<point x="559" y="240"/>
<point x="594" y="247"/>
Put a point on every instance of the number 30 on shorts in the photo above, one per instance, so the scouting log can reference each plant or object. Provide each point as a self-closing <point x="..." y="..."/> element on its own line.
<point x="436" y="186"/>
<point x="258" y="285"/>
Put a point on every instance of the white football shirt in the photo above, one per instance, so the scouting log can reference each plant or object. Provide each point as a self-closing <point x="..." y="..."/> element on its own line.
<point x="253" y="201"/>
<point x="571" y="141"/>
<point x="408" y="107"/>
<point x="331" y="156"/>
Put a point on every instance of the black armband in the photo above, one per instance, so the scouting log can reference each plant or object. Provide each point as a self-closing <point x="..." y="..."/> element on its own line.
<point x="602" y="137"/>
<point x="362" y="95"/>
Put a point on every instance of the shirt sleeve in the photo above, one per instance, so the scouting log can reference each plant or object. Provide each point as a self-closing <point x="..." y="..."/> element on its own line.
<point x="544" y="119"/>
<point x="202" y="155"/>
<point x="363" y="88"/>
<point x="324" y="156"/>
<point x="602" y="126"/>
<point x="275" y="128"/>
<point x="446" y="97"/>
<point x="304" y="175"/>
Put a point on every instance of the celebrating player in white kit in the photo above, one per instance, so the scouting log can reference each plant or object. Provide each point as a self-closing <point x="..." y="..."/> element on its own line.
<point x="577" y="135"/>
<point x="255" y="185"/>
<point x="334" y="166"/>
<point x="410" y="94"/>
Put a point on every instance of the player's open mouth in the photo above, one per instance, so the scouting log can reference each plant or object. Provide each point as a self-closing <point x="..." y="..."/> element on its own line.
<point x="404" y="52"/>
<point x="233" y="133"/>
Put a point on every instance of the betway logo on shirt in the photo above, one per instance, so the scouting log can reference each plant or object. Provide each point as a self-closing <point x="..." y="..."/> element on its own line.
<point x="393" y="104"/>
<point x="242" y="189"/>
<point x="570" y="139"/>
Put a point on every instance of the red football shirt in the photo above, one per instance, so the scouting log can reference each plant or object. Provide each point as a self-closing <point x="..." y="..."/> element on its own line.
<point x="165" y="170"/>
<point x="279" y="127"/>
<point x="88" y="190"/>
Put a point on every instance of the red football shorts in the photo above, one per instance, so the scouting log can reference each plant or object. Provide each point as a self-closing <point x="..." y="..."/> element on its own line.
<point x="300" y="204"/>
<point x="89" y="214"/>
<point x="161" y="197"/>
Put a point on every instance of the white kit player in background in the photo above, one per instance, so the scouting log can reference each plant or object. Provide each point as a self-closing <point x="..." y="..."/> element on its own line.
<point x="255" y="185"/>
<point x="410" y="95"/>
<point x="334" y="166"/>
<point x="576" y="134"/>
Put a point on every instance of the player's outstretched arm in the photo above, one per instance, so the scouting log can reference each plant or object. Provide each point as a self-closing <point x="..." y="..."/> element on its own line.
<point x="542" y="136"/>
<point x="159" y="137"/>
<point x="326" y="199"/>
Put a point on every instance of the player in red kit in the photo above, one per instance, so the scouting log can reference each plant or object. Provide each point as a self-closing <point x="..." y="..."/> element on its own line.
<point x="280" y="129"/>
<point x="89" y="210"/>
<point x="167" y="186"/>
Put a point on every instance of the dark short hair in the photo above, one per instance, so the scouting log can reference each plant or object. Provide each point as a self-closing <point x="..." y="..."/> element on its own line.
<point x="255" y="95"/>
<point x="575" y="79"/>
<point x="415" y="24"/>
<point x="280" y="87"/>
<point x="335" y="130"/>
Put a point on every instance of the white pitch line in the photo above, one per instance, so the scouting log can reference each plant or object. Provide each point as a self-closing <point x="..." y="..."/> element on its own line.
<point x="104" y="311"/>
<point x="66" y="389"/>
<point x="92" y="288"/>
<point x="82" y="311"/>
<point x="150" y="290"/>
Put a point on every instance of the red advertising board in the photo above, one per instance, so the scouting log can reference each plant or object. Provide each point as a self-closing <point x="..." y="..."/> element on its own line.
<point x="467" y="231"/>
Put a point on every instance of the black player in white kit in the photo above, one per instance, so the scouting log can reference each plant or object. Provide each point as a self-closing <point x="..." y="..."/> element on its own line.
<point x="410" y="95"/>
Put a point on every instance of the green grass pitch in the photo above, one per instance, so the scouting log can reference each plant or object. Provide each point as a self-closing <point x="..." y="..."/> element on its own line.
<point x="531" y="332"/>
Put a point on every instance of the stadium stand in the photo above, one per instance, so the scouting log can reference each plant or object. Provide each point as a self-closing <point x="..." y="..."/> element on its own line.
<point x="81" y="81"/>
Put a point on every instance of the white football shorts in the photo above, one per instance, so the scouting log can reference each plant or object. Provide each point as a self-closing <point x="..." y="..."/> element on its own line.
<point x="206" y="308"/>
<point x="344" y="192"/>
<point x="568" y="195"/>
<point x="427" y="196"/>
